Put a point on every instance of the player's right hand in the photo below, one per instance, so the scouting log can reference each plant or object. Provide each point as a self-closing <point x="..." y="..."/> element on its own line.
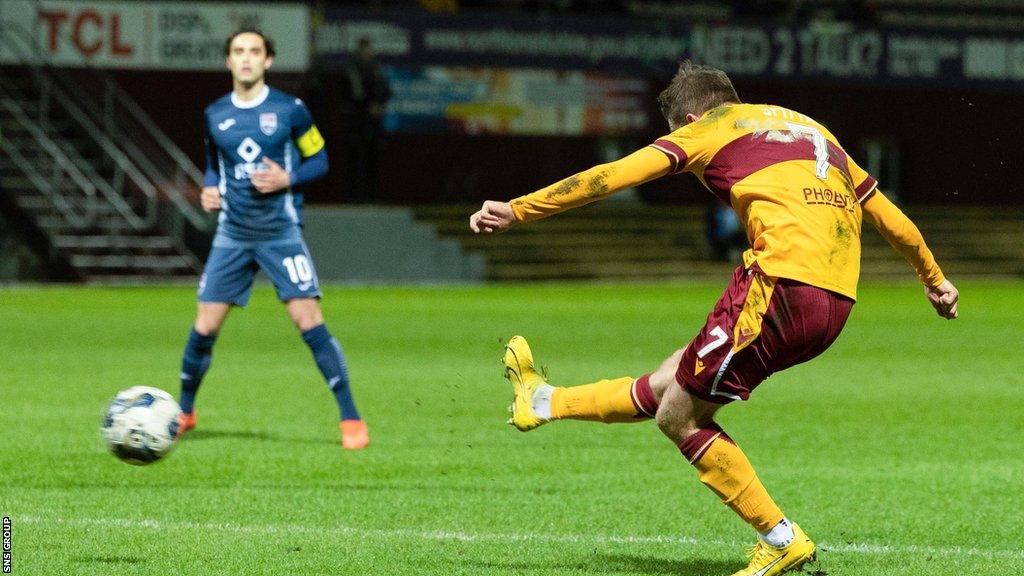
<point x="944" y="298"/>
<point x="209" y="198"/>
<point x="492" y="217"/>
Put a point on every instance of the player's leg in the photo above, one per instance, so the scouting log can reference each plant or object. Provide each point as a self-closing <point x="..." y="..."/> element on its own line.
<point x="688" y="421"/>
<point x="198" y="355"/>
<point x="210" y="317"/>
<point x="330" y="359"/>
<point x="329" y="356"/>
<point x="761" y="325"/>
<point x="627" y="399"/>
<point x="226" y="281"/>
<point x="290" y="267"/>
<point x="624" y="399"/>
<point x="723" y="363"/>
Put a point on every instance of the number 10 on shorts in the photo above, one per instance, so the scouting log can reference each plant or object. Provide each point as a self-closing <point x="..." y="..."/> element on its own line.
<point x="298" y="268"/>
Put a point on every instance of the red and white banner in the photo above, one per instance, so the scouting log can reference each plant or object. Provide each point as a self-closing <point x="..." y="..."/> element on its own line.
<point x="151" y="35"/>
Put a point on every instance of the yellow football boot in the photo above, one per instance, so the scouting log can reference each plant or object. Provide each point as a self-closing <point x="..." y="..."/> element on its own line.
<point x="766" y="560"/>
<point x="522" y="374"/>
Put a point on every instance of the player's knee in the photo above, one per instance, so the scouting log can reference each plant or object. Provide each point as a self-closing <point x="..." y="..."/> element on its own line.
<point x="204" y="329"/>
<point x="677" y="416"/>
<point x="665" y="375"/>
<point x="206" y="324"/>
<point x="675" y="428"/>
<point x="307" y="323"/>
<point x="670" y="422"/>
<point x="305" y="314"/>
<point x="210" y="317"/>
<point x="307" y="320"/>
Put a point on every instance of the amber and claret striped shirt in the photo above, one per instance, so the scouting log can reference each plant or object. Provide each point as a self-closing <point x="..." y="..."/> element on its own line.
<point x="793" y="186"/>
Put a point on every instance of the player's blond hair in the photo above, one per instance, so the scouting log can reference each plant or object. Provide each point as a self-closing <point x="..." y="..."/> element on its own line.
<point x="695" y="89"/>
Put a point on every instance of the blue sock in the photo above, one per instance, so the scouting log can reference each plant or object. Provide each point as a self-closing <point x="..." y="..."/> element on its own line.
<point x="194" y="364"/>
<point x="331" y="361"/>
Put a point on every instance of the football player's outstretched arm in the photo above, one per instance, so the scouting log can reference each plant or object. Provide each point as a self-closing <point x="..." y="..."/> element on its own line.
<point x="588" y="186"/>
<point x="904" y="236"/>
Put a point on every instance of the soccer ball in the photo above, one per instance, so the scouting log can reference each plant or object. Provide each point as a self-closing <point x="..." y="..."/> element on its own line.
<point x="140" y="425"/>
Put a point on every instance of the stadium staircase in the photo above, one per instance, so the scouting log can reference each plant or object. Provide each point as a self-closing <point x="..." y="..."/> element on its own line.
<point x="96" y="187"/>
<point x="630" y="241"/>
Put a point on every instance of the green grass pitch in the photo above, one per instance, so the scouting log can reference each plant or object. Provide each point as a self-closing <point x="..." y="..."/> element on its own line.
<point x="899" y="450"/>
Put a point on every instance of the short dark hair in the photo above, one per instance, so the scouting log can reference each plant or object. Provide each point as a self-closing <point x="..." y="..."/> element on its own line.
<point x="267" y="42"/>
<point x="695" y="89"/>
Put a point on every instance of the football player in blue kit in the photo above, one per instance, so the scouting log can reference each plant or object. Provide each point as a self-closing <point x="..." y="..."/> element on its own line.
<point x="262" y="147"/>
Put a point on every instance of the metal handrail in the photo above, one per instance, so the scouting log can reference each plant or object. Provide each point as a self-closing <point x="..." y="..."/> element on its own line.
<point x="115" y="197"/>
<point x="172" y="150"/>
<point x="140" y="168"/>
<point x="60" y="161"/>
<point x="137" y="221"/>
<point x="181" y="162"/>
<point x="120" y="115"/>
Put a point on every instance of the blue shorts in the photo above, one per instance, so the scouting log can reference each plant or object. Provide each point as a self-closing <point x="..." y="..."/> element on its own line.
<point x="232" y="266"/>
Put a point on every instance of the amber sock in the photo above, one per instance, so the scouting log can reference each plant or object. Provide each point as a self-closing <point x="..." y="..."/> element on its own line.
<point x="618" y="400"/>
<point x="724" y="469"/>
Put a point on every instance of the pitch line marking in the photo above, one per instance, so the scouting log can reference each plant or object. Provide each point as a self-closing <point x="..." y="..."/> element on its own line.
<point x="445" y="535"/>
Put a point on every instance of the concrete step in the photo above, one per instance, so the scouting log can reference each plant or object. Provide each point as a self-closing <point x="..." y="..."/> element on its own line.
<point x="163" y="263"/>
<point x="188" y="278"/>
<point x="57" y="225"/>
<point x="513" y="241"/>
<point x="703" y="270"/>
<point x="994" y="252"/>
<point x="598" y="210"/>
<point x="79" y="146"/>
<point x="110" y="242"/>
<point x="629" y="240"/>
<point x="639" y="253"/>
<point x="550" y="225"/>
<point x="55" y="127"/>
<point x="960" y="215"/>
<point x="39" y="204"/>
<point x="80" y="152"/>
<point x="964" y="213"/>
<point x="8" y="166"/>
<point x="29" y="104"/>
<point x="610" y="270"/>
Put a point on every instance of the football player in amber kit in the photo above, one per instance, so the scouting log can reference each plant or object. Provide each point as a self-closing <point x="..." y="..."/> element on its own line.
<point x="801" y="199"/>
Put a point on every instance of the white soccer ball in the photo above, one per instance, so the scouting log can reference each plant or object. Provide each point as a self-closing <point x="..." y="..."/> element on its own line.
<point x="140" y="425"/>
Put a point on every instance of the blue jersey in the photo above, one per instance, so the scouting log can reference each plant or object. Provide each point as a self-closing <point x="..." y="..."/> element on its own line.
<point x="239" y="135"/>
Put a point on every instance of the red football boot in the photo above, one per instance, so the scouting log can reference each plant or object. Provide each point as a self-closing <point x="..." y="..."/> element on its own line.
<point x="354" y="434"/>
<point x="186" y="422"/>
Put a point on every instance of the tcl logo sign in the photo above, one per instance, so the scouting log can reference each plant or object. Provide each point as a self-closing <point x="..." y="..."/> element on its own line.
<point x="152" y="34"/>
<point x="89" y="31"/>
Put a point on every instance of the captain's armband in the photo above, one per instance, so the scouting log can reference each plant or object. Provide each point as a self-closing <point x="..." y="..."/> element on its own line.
<point x="311" y="142"/>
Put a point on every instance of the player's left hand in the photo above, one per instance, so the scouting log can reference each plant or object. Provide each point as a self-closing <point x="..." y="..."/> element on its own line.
<point x="492" y="217"/>
<point x="944" y="299"/>
<point x="272" y="179"/>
